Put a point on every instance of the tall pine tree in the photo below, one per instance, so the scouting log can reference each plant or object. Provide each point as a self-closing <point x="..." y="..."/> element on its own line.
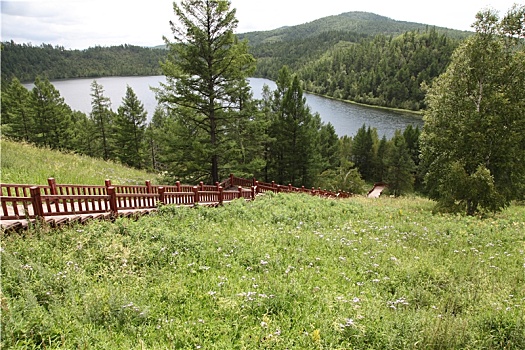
<point x="204" y="70"/>
<point x="295" y="154"/>
<point x="102" y="117"/>
<point x="51" y="115"/>
<point x="129" y="127"/>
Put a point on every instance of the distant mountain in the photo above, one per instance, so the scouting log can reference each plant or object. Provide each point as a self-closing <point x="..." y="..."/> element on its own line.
<point x="356" y="22"/>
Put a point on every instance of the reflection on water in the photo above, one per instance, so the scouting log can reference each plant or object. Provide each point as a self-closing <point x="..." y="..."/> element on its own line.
<point x="346" y="118"/>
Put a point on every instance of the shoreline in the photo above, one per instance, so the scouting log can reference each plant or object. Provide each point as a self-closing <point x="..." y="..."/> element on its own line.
<point x="415" y="114"/>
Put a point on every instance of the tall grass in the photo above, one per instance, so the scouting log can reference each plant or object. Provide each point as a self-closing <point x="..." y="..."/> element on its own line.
<point x="283" y="272"/>
<point x="26" y="164"/>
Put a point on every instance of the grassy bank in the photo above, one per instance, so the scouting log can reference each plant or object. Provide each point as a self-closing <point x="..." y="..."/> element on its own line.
<point x="283" y="272"/>
<point x="26" y="164"/>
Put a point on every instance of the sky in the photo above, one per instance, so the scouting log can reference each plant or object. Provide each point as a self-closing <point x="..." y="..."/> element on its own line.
<point x="80" y="24"/>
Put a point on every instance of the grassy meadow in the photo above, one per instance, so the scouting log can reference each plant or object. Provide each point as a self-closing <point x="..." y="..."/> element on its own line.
<point x="282" y="272"/>
<point x="26" y="164"/>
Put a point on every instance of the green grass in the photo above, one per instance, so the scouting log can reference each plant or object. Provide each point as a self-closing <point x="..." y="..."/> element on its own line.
<point x="282" y="272"/>
<point x="26" y="164"/>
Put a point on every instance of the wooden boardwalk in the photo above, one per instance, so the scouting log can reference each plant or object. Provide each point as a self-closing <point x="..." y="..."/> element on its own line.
<point x="55" y="204"/>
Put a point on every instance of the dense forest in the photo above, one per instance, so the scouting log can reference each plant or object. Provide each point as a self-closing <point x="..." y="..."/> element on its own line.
<point x="26" y="62"/>
<point x="359" y="56"/>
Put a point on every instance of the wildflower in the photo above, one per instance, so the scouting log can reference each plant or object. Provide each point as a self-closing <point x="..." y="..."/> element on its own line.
<point x="349" y="323"/>
<point x="316" y="336"/>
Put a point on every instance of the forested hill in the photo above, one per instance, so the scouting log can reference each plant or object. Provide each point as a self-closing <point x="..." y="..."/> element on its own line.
<point x="361" y="23"/>
<point x="26" y="62"/>
<point x="359" y="56"/>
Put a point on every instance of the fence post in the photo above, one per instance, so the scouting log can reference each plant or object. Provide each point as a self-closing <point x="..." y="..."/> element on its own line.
<point x="254" y="181"/>
<point x="273" y="184"/>
<point x="161" y="195"/>
<point x="201" y="184"/>
<point x="196" y="194"/>
<point x="221" y="195"/>
<point x="253" y="193"/>
<point x="148" y="186"/>
<point x="231" y="180"/>
<point x="178" y="186"/>
<point x="112" y="200"/>
<point x="36" y="200"/>
<point x="239" y="194"/>
<point x="257" y="190"/>
<point x="107" y="183"/>
<point x="53" y="185"/>
<point x="290" y="187"/>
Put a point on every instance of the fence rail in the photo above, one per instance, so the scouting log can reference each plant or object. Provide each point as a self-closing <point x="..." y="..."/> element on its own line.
<point x="30" y="202"/>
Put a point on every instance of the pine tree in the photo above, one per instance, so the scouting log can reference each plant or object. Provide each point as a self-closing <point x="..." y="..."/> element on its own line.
<point x="51" y="115"/>
<point x="17" y="119"/>
<point x="206" y="66"/>
<point x="129" y="128"/>
<point x="83" y="130"/>
<point x="399" y="166"/>
<point x="102" y="117"/>
<point x="294" y="155"/>
<point x="363" y="153"/>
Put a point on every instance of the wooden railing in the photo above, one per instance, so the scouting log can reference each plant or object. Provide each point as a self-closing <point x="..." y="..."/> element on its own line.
<point x="52" y="200"/>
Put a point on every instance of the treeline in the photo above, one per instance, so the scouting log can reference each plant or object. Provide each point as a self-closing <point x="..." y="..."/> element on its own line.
<point x="389" y="71"/>
<point x="26" y="62"/>
<point x="276" y="138"/>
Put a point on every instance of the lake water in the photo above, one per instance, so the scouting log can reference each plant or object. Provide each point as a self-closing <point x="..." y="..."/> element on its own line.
<point x="346" y="118"/>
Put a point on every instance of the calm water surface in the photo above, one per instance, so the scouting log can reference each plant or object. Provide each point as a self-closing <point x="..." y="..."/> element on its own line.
<point x="346" y="118"/>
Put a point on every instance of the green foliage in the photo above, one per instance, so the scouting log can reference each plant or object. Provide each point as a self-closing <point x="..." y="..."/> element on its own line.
<point x="26" y="62"/>
<point x="358" y="56"/>
<point x="282" y="272"/>
<point x="206" y="67"/>
<point x="129" y="128"/>
<point x="17" y="119"/>
<point x="399" y="166"/>
<point x="295" y="152"/>
<point x="385" y="71"/>
<point x="103" y="118"/>
<point x="474" y="134"/>
<point x="364" y="151"/>
<point x="51" y="116"/>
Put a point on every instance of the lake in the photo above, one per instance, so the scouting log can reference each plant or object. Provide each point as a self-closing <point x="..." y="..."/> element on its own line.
<point x="346" y="118"/>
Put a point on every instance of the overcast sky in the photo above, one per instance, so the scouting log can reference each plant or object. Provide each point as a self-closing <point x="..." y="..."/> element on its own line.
<point x="79" y="24"/>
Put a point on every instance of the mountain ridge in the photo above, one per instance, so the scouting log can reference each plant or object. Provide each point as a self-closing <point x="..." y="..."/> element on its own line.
<point x="358" y="22"/>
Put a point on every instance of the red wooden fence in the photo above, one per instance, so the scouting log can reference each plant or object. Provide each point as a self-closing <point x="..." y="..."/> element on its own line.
<point x="28" y="202"/>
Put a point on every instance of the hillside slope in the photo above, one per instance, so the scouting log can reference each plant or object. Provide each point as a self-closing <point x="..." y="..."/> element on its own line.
<point x="282" y="272"/>
<point x="26" y="164"/>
